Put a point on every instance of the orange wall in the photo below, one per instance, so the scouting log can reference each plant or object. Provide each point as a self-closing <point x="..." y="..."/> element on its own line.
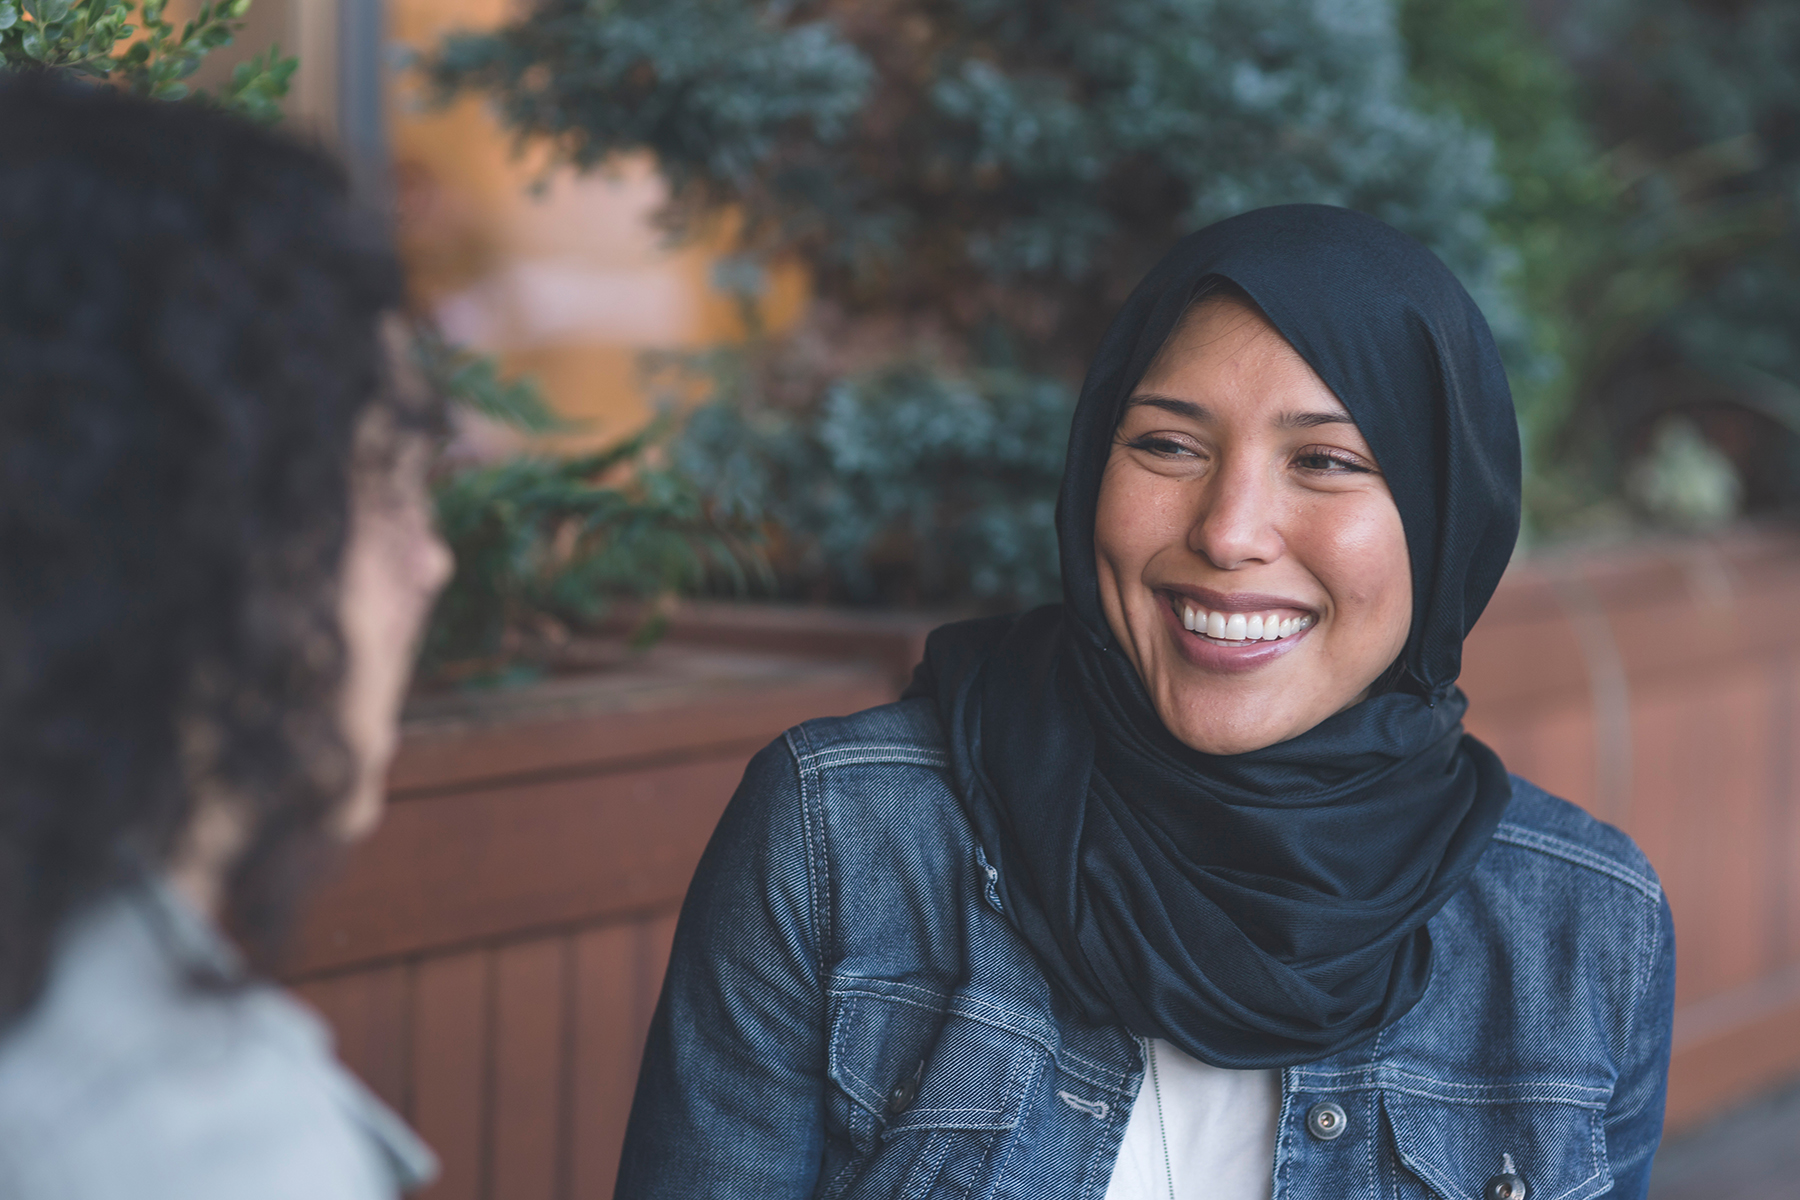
<point x="570" y="284"/>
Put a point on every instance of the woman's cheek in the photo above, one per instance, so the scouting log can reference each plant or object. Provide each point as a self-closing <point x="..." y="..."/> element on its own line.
<point x="1361" y="558"/>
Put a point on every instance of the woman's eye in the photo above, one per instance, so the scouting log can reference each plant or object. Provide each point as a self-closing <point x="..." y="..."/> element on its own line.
<point x="1162" y="444"/>
<point x="1330" y="461"/>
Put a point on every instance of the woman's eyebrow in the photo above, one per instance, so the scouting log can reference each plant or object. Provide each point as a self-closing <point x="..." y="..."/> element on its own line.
<point x="1313" y="419"/>
<point x="1310" y="419"/>
<point x="1181" y="408"/>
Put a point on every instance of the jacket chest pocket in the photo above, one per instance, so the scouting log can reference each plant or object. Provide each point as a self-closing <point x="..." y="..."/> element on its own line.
<point x="1523" y="1148"/>
<point x="921" y="1096"/>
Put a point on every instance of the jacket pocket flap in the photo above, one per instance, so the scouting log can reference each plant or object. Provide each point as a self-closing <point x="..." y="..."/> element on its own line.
<point x="913" y="1067"/>
<point x="1556" y="1146"/>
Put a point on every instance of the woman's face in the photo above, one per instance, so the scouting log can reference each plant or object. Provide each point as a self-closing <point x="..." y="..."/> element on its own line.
<point x="394" y="565"/>
<point x="1252" y="563"/>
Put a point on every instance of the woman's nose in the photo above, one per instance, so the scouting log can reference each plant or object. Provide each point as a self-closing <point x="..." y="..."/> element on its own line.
<point x="1235" y="524"/>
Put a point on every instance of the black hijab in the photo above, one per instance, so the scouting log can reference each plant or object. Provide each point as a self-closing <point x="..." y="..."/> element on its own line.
<point x="1268" y="908"/>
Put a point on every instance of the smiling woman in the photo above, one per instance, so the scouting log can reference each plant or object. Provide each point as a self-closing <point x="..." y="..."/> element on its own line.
<point x="1252" y="563"/>
<point x="1192" y="884"/>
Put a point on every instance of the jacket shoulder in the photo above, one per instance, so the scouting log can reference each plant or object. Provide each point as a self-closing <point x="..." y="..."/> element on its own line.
<point x="904" y="732"/>
<point x="1537" y="822"/>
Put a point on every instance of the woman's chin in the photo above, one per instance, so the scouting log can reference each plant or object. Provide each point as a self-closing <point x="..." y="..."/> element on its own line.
<point x="1221" y="724"/>
<point x="1223" y="743"/>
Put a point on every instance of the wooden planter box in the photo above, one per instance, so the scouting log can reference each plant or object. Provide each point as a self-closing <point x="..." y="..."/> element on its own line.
<point x="491" y="957"/>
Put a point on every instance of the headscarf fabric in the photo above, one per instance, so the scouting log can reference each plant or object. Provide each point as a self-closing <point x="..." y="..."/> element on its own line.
<point x="1267" y="908"/>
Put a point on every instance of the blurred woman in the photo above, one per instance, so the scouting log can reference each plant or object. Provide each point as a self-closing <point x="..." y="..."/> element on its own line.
<point x="217" y="556"/>
<point x="1191" y="885"/>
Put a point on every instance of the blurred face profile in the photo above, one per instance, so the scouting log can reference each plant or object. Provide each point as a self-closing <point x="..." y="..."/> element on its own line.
<point x="394" y="565"/>
<point x="1252" y="562"/>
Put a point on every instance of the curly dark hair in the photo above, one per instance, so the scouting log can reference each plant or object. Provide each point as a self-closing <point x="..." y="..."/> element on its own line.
<point x="190" y="338"/>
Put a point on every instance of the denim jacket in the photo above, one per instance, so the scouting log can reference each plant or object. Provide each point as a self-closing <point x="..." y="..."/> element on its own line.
<point x="848" y="1014"/>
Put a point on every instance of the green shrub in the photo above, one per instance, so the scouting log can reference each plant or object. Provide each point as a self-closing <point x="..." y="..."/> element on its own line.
<point x="1701" y="103"/>
<point x="545" y="545"/>
<point x="972" y="187"/>
<point x="1017" y="161"/>
<point x="542" y="543"/>
<point x="906" y="484"/>
<point x="89" y="37"/>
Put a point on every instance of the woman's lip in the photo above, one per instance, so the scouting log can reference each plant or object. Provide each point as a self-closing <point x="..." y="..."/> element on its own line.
<point x="1234" y="602"/>
<point x="1212" y="655"/>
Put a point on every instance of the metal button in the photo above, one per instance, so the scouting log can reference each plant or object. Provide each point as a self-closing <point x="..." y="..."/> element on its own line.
<point x="901" y="1097"/>
<point x="1326" y="1120"/>
<point x="1504" y="1187"/>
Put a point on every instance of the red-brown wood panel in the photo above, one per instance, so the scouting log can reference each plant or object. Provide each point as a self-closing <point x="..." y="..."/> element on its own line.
<point x="529" y="1071"/>
<point x="1701" y="757"/>
<point x="657" y="938"/>
<point x="1553" y="747"/>
<point x="1784" y="798"/>
<point x="370" y="1012"/>
<point x="732" y="713"/>
<point x="605" y="1054"/>
<point x="460" y="868"/>
<point x="451" y="1068"/>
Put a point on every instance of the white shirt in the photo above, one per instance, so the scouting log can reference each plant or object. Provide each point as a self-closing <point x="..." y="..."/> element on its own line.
<point x="1218" y="1127"/>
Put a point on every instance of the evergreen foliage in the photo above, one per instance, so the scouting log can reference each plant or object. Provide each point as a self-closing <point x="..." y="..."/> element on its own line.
<point x="96" y="38"/>
<point x="544" y="544"/>
<point x="1020" y="161"/>
<point x="1483" y="60"/>
<point x="908" y="483"/>
<point x="972" y="186"/>
<point x="540" y="541"/>
<point x="1702" y="104"/>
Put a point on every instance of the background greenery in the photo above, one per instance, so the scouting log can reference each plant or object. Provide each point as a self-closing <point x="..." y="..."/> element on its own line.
<point x="543" y="544"/>
<point x="972" y="185"/>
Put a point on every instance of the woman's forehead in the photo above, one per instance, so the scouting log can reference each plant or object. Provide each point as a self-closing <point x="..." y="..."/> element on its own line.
<point x="1220" y="336"/>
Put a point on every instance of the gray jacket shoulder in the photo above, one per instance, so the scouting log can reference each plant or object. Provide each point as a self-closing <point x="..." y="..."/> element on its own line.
<point x="130" y="1079"/>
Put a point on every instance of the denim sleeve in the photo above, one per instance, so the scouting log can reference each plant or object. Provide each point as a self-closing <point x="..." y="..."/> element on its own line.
<point x="1634" y="1118"/>
<point x="730" y="1097"/>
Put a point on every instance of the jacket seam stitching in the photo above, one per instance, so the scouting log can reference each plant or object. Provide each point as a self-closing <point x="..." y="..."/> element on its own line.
<point x="871" y="755"/>
<point x="818" y="866"/>
<point x="1408" y="1083"/>
<point x="1580" y="856"/>
<point x="989" y="1014"/>
<point x="1425" y="1094"/>
<point x="1012" y="1143"/>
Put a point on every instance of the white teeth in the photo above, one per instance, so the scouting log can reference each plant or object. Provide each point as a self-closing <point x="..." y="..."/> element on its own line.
<point x="1238" y="627"/>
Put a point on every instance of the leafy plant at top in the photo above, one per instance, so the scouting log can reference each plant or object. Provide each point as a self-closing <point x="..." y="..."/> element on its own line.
<point x="547" y="544"/>
<point x="97" y="38"/>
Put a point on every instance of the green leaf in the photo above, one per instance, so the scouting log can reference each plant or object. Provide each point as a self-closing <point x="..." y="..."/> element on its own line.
<point x="50" y="11"/>
<point x="9" y="13"/>
<point x="33" y="44"/>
